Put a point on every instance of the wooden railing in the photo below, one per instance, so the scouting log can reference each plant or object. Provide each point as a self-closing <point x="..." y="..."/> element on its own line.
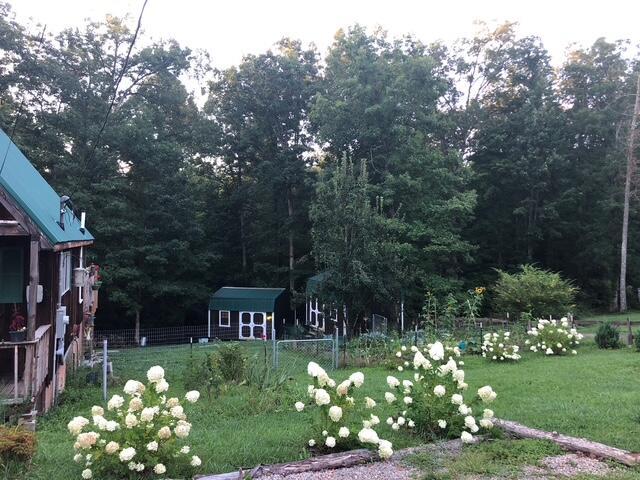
<point x="35" y="366"/>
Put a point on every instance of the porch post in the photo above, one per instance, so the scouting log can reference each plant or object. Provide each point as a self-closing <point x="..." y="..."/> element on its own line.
<point x="34" y="280"/>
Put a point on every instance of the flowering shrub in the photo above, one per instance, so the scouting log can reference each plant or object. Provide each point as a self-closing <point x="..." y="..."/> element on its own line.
<point x="433" y="402"/>
<point x="499" y="346"/>
<point x="142" y="435"/>
<point x="553" y="338"/>
<point x="341" y="412"/>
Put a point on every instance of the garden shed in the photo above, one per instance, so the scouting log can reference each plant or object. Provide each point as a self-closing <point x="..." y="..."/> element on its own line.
<point x="245" y="313"/>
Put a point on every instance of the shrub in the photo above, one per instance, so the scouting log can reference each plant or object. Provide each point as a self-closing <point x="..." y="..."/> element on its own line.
<point x="372" y="348"/>
<point x="342" y="411"/>
<point x="636" y="340"/>
<point x="432" y="402"/>
<point x="231" y="362"/>
<point x="532" y="290"/>
<point x="607" y="336"/>
<point x="500" y="347"/>
<point x="552" y="338"/>
<point x="16" y="443"/>
<point x="144" y="439"/>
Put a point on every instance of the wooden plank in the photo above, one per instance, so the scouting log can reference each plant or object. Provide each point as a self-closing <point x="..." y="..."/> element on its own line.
<point x="314" y="464"/>
<point x="34" y="280"/>
<point x="69" y="245"/>
<point x="582" y="445"/>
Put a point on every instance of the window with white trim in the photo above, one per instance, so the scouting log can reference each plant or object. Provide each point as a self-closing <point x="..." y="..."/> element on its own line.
<point x="65" y="272"/>
<point x="224" y="318"/>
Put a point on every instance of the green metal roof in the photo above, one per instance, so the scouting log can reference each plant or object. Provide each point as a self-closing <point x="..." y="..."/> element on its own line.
<point x="245" y="299"/>
<point x="314" y="283"/>
<point x="35" y="196"/>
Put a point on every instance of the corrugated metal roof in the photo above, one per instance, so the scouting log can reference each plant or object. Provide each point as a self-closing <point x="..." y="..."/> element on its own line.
<point x="36" y="197"/>
<point x="245" y="299"/>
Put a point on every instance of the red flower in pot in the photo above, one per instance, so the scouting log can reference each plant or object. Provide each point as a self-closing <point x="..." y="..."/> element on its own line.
<point x="17" y="327"/>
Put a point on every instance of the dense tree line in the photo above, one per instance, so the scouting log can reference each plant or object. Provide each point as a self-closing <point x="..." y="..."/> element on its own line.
<point x="399" y="166"/>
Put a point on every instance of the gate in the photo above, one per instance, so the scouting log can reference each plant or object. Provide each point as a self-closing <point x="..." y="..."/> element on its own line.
<point x="294" y="355"/>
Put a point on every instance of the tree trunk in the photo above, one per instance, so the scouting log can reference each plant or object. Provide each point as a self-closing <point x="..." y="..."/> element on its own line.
<point x="137" y="328"/>
<point x="631" y="164"/>
<point x="243" y="242"/>
<point x="291" y="252"/>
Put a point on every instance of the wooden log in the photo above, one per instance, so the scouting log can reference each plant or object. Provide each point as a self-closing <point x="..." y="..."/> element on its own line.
<point x="315" y="464"/>
<point x="582" y="445"/>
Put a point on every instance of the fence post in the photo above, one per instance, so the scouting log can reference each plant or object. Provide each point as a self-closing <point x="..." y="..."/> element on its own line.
<point x="275" y="348"/>
<point x="104" y="369"/>
<point x="335" y="350"/>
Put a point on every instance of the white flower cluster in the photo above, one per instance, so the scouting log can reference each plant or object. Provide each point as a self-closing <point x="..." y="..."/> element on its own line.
<point x="335" y="403"/>
<point x="438" y="384"/>
<point x="554" y="338"/>
<point x="142" y="437"/>
<point x="500" y="347"/>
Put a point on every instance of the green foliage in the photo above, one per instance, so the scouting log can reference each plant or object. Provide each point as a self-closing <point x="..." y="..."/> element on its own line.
<point x="372" y="349"/>
<point x="607" y="336"/>
<point x="636" y="340"/>
<point x="231" y="361"/>
<point x="535" y="291"/>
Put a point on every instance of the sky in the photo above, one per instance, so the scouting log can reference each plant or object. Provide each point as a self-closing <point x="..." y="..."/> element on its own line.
<point x="228" y="30"/>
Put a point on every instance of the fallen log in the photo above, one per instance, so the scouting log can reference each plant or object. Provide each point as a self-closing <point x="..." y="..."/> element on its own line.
<point x="314" y="464"/>
<point x="582" y="445"/>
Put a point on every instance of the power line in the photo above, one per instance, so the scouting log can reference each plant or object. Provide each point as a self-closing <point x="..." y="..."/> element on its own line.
<point x="115" y="90"/>
<point x="18" y="113"/>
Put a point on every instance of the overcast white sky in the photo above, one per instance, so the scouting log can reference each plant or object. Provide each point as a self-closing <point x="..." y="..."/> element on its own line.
<point x="229" y="29"/>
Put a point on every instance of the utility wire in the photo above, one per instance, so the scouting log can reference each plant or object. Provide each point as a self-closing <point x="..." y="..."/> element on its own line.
<point x="115" y="90"/>
<point x="18" y="113"/>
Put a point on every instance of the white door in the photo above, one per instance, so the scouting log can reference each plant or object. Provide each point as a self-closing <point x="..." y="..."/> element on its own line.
<point x="252" y="325"/>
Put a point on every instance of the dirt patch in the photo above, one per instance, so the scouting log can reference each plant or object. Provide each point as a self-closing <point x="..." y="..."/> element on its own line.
<point x="569" y="465"/>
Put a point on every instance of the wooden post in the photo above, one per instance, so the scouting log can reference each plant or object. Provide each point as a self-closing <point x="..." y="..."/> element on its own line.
<point x="629" y="333"/>
<point x="34" y="280"/>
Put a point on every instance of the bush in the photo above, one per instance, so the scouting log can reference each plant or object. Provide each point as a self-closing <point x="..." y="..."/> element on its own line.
<point x="16" y="443"/>
<point x="342" y="411"/>
<point x="500" y="347"/>
<point x="636" y="340"/>
<point x="538" y="292"/>
<point x="553" y="338"/>
<point x="144" y="438"/>
<point x="432" y="402"/>
<point x="231" y="362"/>
<point x="607" y="336"/>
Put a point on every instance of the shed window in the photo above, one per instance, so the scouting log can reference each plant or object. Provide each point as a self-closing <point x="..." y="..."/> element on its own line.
<point x="65" y="272"/>
<point x="224" y="318"/>
<point x="11" y="275"/>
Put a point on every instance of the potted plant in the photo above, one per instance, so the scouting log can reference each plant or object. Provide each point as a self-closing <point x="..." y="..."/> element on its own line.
<point x="17" y="327"/>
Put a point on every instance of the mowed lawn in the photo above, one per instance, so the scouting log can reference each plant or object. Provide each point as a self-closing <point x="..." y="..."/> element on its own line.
<point x="595" y="394"/>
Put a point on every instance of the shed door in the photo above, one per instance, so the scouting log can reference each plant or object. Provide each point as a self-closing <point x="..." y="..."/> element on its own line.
<point x="253" y="325"/>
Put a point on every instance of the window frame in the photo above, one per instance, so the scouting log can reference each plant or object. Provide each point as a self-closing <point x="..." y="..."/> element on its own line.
<point x="220" y="324"/>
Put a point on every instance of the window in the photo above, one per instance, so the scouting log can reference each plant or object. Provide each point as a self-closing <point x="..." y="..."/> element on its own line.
<point x="224" y="319"/>
<point x="65" y="272"/>
<point x="12" y="282"/>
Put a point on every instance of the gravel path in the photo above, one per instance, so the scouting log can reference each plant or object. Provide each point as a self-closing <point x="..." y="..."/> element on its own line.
<point x="373" y="471"/>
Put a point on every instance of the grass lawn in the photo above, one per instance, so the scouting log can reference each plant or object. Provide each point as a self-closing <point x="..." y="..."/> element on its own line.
<point x="594" y="394"/>
<point x="620" y="319"/>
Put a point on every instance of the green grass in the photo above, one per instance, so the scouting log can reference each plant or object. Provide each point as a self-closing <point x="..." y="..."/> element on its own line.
<point x="620" y="319"/>
<point x="592" y="395"/>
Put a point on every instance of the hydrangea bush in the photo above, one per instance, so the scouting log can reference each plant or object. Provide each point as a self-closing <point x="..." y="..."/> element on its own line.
<point x="342" y="414"/>
<point x="142" y="435"/>
<point x="433" y="401"/>
<point x="500" y="347"/>
<point x="554" y="338"/>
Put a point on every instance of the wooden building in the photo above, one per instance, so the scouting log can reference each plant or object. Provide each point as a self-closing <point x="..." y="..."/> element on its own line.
<point x="46" y="295"/>
<point x="321" y="317"/>
<point x="242" y="313"/>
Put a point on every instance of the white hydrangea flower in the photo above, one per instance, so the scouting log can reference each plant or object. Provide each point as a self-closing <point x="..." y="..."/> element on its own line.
<point x="185" y="449"/>
<point x="457" y="399"/>
<point x="436" y="351"/>
<point x="343" y="432"/>
<point x="392" y="381"/>
<point x="312" y="443"/>
<point x="162" y="386"/>
<point x="488" y="413"/>
<point x="385" y="449"/>
<point x="195" y="461"/>
<point x="487" y="394"/>
<point x="147" y="414"/>
<point x="464" y="410"/>
<point x="115" y="402"/>
<point x="193" y="396"/>
<point x="335" y="413"/>
<point x="375" y="420"/>
<point x="133" y="387"/>
<point x="155" y="374"/>
<point x="299" y="406"/>
<point x="466" y="437"/>
<point x="160" y="469"/>
<point x="96" y="410"/>
<point x="486" y="423"/>
<point x="343" y="388"/>
<point x="127" y="454"/>
<point x="357" y="378"/>
<point x="368" y="435"/>
<point x="369" y="402"/>
<point x="330" y="442"/>
<point x="439" y="390"/>
<point x="87" y="474"/>
<point x="389" y="397"/>
<point x="442" y="424"/>
<point x="164" y="433"/>
<point x="152" y="446"/>
<point x="407" y="400"/>
<point x="76" y="425"/>
<point x="322" y="397"/>
<point x="111" y="448"/>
